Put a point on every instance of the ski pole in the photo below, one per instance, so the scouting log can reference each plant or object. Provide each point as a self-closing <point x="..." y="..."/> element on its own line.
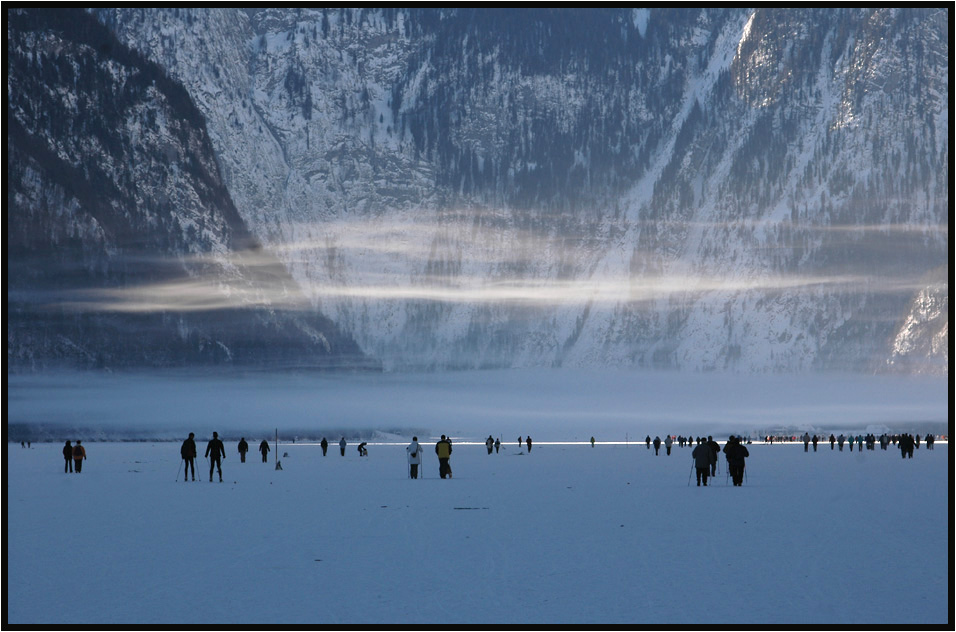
<point x="689" y="474"/>
<point x="179" y="468"/>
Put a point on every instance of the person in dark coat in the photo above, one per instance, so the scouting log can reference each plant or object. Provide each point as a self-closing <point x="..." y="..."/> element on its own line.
<point x="528" y="442"/>
<point x="264" y="448"/>
<point x="736" y="453"/>
<point x="342" y="444"/>
<point x="188" y="452"/>
<point x="703" y="460"/>
<point x="647" y="440"/>
<point x="497" y="445"/>
<point x="79" y="453"/>
<point x="215" y="452"/>
<point x="68" y="455"/>
<point x="243" y="448"/>
<point x="715" y="448"/>
<point x="325" y="446"/>
<point x="657" y="445"/>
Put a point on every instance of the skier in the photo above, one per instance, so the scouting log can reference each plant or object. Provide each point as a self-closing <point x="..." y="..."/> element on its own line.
<point x="188" y="452"/>
<point x="243" y="448"/>
<point x="264" y="448"/>
<point x="736" y="453"/>
<point x="414" y="457"/>
<point x="657" y="445"/>
<point x="325" y="446"/>
<point x="490" y="443"/>
<point x="443" y="450"/>
<point x="79" y="453"/>
<point x="528" y="442"/>
<point x="703" y="460"/>
<point x="68" y="456"/>
<point x="215" y="452"/>
<point x="668" y="442"/>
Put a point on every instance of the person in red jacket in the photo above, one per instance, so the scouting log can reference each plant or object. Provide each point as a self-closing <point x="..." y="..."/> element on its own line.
<point x="79" y="453"/>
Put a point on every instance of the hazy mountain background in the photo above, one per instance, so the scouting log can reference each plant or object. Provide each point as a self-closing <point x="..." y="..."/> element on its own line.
<point x="698" y="189"/>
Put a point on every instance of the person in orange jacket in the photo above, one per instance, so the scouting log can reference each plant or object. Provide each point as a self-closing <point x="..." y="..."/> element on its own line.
<point x="79" y="453"/>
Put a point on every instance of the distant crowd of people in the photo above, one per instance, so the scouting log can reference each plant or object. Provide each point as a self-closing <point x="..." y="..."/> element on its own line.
<point x="705" y="454"/>
<point x="905" y="441"/>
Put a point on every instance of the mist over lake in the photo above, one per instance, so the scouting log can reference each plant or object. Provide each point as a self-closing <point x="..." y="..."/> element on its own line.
<point x="551" y="405"/>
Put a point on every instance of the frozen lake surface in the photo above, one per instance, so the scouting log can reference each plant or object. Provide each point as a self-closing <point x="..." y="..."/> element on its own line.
<point x="566" y="534"/>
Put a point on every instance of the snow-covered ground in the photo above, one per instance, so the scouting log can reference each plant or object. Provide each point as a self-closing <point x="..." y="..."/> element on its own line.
<point x="564" y="534"/>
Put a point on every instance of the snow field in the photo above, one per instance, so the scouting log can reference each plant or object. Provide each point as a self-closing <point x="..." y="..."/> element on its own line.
<point x="565" y="534"/>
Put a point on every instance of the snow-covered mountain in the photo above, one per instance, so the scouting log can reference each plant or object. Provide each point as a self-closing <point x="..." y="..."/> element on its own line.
<point x="123" y="245"/>
<point x="753" y="190"/>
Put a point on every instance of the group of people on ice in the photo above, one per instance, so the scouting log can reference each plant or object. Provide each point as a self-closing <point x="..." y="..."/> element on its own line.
<point x="74" y="456"/>
<point x="906" y="442"/>
<point x="705" y="459"/>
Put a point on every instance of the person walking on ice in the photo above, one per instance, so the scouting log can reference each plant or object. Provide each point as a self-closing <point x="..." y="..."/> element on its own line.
<point x="188" y="452"/>
<point x="414" y="457"/>
<point x="325" y="445"/>
<point x="79" y="453"/>
<point x="657" y="445"/>
<point x="264" y="448"/>
<point x="243" y="448"/>
<point x="215" y="452"/>
<point x="668" y="443"/>
<point x="342" y="445"/>
<point x="736" y="453"/>
<point x="490" y="443"/>
<point x="704" y="458"/>
<point x="68" y="456"/>
<point x="528" y="441"/>
<point x="443" y="450"/>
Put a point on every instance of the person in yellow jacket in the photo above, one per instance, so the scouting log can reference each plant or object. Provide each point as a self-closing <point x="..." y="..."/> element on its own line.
<point x="79" y="454"/>
<point x="443" y="450"/>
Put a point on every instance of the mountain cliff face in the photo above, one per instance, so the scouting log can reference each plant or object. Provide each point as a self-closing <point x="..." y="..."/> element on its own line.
<point x="123" y="245"/>
<point x="698" y="189"/>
